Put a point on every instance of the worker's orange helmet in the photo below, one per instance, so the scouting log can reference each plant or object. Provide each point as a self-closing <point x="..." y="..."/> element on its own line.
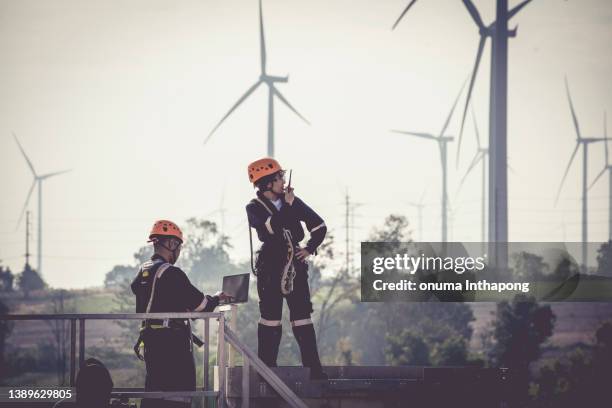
<point x="262" y="168"/>
<point x="165" y="228"/>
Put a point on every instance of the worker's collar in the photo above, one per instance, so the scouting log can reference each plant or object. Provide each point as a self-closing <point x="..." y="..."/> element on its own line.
<point x="157" y="257"/>
<point x="268" y="202"/>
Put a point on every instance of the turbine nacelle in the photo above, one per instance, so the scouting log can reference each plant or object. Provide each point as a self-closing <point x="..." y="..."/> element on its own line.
<point x="270" y="79"/>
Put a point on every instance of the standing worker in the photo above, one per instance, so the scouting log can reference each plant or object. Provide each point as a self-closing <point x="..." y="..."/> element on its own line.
<point x="161" y="287"/>
<point x="281" y="268"/>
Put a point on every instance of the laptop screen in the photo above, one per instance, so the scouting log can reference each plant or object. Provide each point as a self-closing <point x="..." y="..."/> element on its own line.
<point x="236" y="286"/>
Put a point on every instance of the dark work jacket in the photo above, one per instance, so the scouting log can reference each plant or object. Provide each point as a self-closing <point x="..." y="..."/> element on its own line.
<point x="173" y="290"/>
<point x="270" y="227"/>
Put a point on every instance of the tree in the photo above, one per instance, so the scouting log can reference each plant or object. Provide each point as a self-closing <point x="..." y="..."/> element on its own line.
<point x="407" y="348"/>
<point x="518" y="331"/>
<point x="29" y="280"/>
<point x="120" y="274"/>
<point x="604" y="259"/>
<point x="580" y="378"/>
<point x="60" y="331"/>
<point x="6" y="279"/>
<point x="395" y="229"/>
<point x="332" y="290"/>
<point x="453" y="351"/>
<point x="6" y="327"/>
<point x="205" y="258"/>
<point x="528" y="266"/>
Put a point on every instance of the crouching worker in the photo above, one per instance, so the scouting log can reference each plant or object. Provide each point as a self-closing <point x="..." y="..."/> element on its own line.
<point x="281" y="268"/>
<point x="161" y="287"/>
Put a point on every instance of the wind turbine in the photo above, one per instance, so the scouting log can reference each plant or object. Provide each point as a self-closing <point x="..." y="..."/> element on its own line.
<point x="38" y="179"/>
<point x="608" y="167"/>
<point x="480" y="156"/>
<point x="419" y="206"/>
<point x="442" y="141"/>
<point x="584" y="141"/>
<point x="498" y="176"/>
<point x="269" y="80"/>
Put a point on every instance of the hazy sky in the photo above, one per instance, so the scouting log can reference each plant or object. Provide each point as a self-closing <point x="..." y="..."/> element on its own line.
<point x="124" y="93"/>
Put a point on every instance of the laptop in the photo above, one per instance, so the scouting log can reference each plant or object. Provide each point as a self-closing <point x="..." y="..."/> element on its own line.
<point x="236" y="286"/>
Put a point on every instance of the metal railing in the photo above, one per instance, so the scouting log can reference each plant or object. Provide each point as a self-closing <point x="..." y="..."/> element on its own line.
<point x="136" y="392"/>
<point x="249" y="358"/>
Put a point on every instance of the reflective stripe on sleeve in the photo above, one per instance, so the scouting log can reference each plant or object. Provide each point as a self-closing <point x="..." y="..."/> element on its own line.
<point x="318" y="227"/>
<point x="271" y="323"/>
<point x="269" y="225"/>
<point x="302" y="322"/>
<point x="202" y="305"/>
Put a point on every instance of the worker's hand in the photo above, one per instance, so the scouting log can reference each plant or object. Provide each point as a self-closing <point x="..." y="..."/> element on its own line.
<point x="289" y="196"/>
<point x="302" y="254"/>
<point x="223" y="296"/>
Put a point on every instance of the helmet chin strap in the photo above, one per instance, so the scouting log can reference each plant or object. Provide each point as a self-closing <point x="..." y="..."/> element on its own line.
<point x="173" y="252"/>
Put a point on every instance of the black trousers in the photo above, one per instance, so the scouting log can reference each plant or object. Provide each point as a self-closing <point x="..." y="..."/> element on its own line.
<point x="271" y="297"/>
<point x="170" y="366"/>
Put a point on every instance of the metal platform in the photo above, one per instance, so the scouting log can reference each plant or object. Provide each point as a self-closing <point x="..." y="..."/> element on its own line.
<point x="375" y="386"/>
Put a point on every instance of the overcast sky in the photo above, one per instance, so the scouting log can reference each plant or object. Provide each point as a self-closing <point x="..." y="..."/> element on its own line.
<point x="124" y="93"/>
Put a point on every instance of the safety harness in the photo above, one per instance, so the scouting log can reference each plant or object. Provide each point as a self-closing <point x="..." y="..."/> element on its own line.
<point x="161" y="323"/>
<point x="288" y="269"/>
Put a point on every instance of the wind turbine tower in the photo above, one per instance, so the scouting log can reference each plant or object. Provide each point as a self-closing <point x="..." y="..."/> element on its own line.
<point x="38" y="180"/>
<point x="419" y="206"/>
<point x="607" y="167"/>
<point x="584" y="141"/>
<point x="442" y="139"/>
<point x="269" y="81"/>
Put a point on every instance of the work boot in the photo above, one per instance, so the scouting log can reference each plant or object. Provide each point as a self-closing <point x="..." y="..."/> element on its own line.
<point x="268" y="341"/>
<point x="307" y="340"/>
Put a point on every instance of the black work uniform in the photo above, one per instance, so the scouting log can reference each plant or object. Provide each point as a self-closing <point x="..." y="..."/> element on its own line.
<point x="168" y="351"/>
<point x="276" y="229"/>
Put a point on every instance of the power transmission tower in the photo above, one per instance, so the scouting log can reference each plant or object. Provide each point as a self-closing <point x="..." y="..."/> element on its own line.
<point x="349" y="227"/>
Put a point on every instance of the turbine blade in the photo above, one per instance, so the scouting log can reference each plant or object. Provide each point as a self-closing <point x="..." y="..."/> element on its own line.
<point x="511" y="168"/>
<point x="598" y="177"/>
<point x="575" y="119"/>
<point x="518" y="8"/>
<point x="403" y="13"/>
<point x="262" y="41"/>
<point x="57" y="173"/>
<point x="25" y="205"/>
<point x="567" y="171"/>
<point x="475" y="160"/>
<point x="233" y="108"/>
<point x="450" y="114"/>
<point x="481" y="44"/>
<point x="286" y="102"/>
<point x="417" y="134"/>
<point x="423" y="196"/>
<point x="25" y="156"/>
<point x="474" y="13"/>
<point x="476" y="127"/>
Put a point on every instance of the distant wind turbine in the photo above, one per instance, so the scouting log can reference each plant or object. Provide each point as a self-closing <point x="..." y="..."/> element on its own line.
<point x="480" y="156"/>
<point x="442" y="141"/>
<point x="269" y="80"/>
<point x="608" y="167"/>
<point x="38" y="179"/>
<point x="419" y="206"/>
<point x="584" y="141"/>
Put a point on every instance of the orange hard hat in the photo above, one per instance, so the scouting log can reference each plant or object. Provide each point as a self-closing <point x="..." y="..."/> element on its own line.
<point x="262" y="167"/>
<point x="165" y="228"/>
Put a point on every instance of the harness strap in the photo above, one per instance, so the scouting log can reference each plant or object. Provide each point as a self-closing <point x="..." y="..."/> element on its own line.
<point x="165" y="323"/>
